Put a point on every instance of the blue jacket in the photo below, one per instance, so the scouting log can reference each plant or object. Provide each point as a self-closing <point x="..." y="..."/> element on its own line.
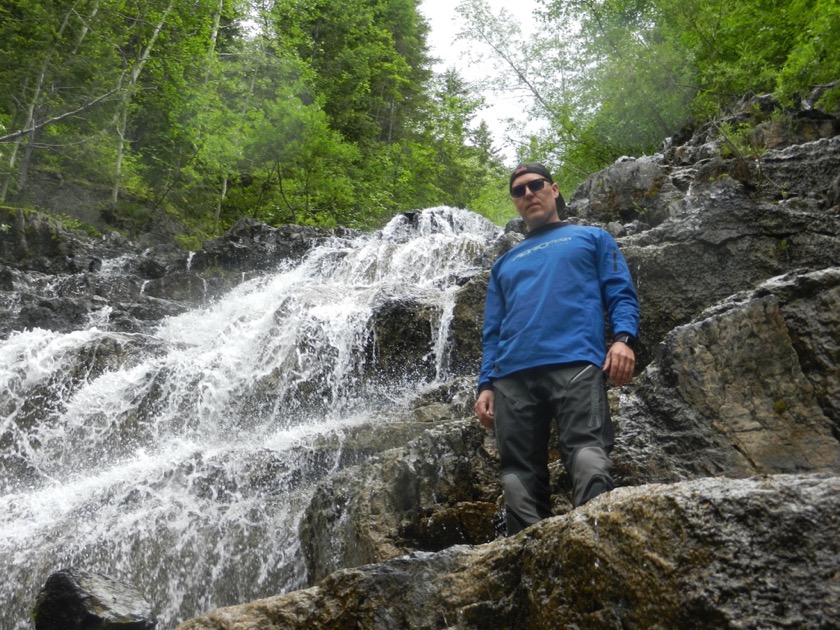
<point x="547" y="297"/>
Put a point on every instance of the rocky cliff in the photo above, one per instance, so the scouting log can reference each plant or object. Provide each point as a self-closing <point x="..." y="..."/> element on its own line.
<point x="728" y="446"/>
<point x="727" y="452"/>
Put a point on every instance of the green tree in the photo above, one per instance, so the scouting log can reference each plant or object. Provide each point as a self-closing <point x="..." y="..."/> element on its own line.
<point x="46" y="59"/>
<point x="459" y="163"/>
<point x="312" y="111"/>
<point x="368" y="59"/>
<point x="613" y="77"/>
<point x="144" y="53"/>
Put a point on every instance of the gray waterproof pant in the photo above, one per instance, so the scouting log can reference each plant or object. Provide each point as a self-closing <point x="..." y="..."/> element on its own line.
<point x="575" y="397"/>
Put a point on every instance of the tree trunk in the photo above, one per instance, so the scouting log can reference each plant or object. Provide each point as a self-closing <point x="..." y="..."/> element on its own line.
<point x="219" y="205"/>
<point x="122" y="122"/>
<point x="29" y="125"/>
<point x="23" y="176"/>
<point x="122" y="115"/>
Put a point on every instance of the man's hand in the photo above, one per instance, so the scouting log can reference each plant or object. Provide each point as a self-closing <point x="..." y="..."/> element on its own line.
<point x="485" y="408"/>
<point x="621" y="360"/>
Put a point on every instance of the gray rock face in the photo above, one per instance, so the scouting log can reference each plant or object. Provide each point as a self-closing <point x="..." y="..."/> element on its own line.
<point x="438" y="491"/>
<point x="738" y="391"/>
<point x="725" y="242"/>
<point x="251" y="245"/>
<point x="59" y="279"/>
<point x="801" y="170"/>
<point x="629" y="190"/>
<point x="710" y="553"/>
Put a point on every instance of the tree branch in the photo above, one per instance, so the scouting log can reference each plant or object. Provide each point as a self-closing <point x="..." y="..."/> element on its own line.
<point x="55" y="119"/>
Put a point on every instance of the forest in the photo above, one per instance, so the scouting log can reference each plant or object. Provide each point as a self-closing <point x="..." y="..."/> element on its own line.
<point x="316" y="112"/>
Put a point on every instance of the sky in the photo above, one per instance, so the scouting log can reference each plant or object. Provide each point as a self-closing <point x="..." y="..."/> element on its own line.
<point x="444" y="24"/>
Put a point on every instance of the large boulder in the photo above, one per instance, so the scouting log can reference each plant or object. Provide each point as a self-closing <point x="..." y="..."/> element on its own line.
<point x="749" y="387"/>
<point x="630" y="190"/>
<point x="78" y="600"/>
<point x="438" y="491"/>
<point x="711" y="553"/>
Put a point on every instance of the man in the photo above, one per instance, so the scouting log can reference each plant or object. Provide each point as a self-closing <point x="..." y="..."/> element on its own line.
<point x="545" y="356"/>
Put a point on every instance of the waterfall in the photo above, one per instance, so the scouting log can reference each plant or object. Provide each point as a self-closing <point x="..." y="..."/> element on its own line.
<point x="180" y="460"/>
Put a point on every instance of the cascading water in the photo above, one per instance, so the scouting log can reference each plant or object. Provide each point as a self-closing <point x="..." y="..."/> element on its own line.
<point x="180" y="461"/>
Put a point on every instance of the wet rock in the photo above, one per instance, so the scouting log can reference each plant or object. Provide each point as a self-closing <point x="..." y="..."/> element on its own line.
<point x="27" y="413"/>
<point x="516" y="226"/>
<point x="464" y="350"/>
<point x="27" y="236"/>
<point x="151" y="268"/>
<point x="7" y="278"/>
<point x="710" y="553"/>
<point x="439" y="490"/>
<point x="182" y="286"/>
<point x="58" y="314"/>
<point x="401" y="343"/>
<point x="810" y="304"/>
<point x="251" y="245"/>
<point x="77" y="600"/>
<point x="85" y="275"/>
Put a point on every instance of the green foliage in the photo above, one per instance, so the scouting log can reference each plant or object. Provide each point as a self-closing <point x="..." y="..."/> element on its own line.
<point x="71" y="223"/>
<point x="493" y="201"/>
<point x="616" y="77"/>
<point x="813" y="58"/>
<point x="736" y="140"/>
<point x="324" y="114"/>
<point x="368" y="58"/>
<point x="327" y="113"/>
<point x="212" y="122"/>
<point x="189" y="242"/>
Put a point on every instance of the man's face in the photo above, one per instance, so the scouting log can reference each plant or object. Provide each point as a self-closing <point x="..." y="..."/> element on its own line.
<point x="536" y="208"/>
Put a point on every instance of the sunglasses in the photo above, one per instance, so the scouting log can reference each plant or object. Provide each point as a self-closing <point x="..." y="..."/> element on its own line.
<point x="534" y="186"/>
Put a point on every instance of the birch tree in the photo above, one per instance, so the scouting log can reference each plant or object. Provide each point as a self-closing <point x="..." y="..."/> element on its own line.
<point x="53" y="40"/>
<point x="137" y="56"/>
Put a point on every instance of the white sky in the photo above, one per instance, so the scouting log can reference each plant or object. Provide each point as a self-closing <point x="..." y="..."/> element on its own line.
<point x="444" y="23"/>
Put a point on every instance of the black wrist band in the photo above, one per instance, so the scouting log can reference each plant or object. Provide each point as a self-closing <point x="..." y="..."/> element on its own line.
<point x="625" y="338"/>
